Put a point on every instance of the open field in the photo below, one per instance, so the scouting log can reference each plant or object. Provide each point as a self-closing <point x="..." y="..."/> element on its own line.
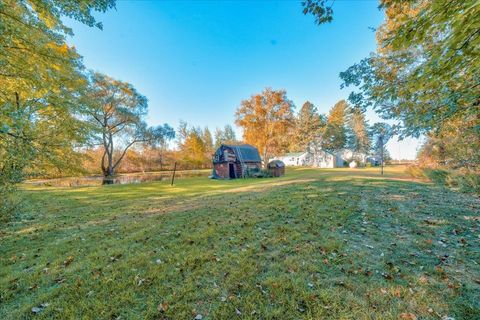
<point x="339" y="243"/>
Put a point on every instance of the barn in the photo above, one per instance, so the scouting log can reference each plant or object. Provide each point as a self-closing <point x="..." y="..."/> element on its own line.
<point x="235" y="161"/>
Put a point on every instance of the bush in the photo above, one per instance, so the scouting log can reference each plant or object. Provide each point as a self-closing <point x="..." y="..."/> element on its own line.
<point x="437" y="176"/>
<point x="463" y="181"/>
<point x="258" y="173"/>
<point x="467" y="182"/>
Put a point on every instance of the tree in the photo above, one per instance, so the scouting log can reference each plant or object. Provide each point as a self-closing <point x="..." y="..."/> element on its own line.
<point x="195" y="151"/>
<point x="426" y="68"/>
<point x="195" y="146"/>
<point x="266" y="119"/>
<point x="428" y="79"/>
<point x="335" y="134"/>
<point x="208" y="141"/>
<point x="33" y="53"/>
<point x="452" y="146"/>
<point x="308" y="127"/>
<point x="225" y="136"/>
<point x="359" y="139"/>
<point x="382" y="132"/>
<point x="41" y="79"/>
<point x="117" y="111"/>
<point x="322" y="10"/>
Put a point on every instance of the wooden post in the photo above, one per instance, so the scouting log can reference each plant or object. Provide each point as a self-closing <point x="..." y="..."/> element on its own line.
<point x="174" y="169"/>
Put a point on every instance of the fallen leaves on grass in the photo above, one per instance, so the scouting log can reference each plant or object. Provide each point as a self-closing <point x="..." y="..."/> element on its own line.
<point x="68" y="261"/>
<point x="162" y="307"/>
<point x="408" y="316"/>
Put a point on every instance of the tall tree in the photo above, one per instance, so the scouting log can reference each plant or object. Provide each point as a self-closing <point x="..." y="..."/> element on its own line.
<point x="117" y="111"/>
<point x="195" y="149"/>
<point x="359" y="139"/>
<point x="429" y="79"/>
<point x="266" y="119"/>
<point x="426" y="68"/>
<point x="195" y="146"/>
<point x="225" y="136"/>
<point x="308" y="127"/>
<point x="41" y="80"/>
<point x="335" y="133"/>
<point x="208" y="141"/>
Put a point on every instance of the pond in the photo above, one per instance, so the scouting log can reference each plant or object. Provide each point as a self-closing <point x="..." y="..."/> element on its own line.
<point x="119" y="179"/>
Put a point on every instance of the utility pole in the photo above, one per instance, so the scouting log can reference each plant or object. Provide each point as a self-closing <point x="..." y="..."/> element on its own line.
<point x="381" y="151"/>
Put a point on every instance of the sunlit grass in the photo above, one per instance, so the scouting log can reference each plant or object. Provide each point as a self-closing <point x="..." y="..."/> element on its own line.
<point x="334" y="243"/>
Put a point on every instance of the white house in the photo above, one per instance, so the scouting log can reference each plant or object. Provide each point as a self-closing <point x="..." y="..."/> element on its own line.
<point x="309" y="158"/>
<point x="296" y="159"/>
<point x="345" y="156"/>
<point x="314" y="156"/>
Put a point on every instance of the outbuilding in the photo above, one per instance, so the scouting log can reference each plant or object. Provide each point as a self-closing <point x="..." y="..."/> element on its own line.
<point x="235" y="161"/>
<point x="276" y="168"/>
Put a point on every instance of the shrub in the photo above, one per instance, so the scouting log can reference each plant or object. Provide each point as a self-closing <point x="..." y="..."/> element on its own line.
<point x="468" y="182"/>
<point x="463" y="181"/>
<point x="258" y="173"/>
<point x="438" y="176"/>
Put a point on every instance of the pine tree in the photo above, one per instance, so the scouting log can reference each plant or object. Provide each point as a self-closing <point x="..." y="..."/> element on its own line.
<point x="225" y="136"/>
<point x="335" y="133"/>
<point x="358" y="138"/>
<point x="308" y="127"/>
<point x="208" y="141"/>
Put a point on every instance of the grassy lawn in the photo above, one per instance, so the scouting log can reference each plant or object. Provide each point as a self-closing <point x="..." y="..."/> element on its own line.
<point x="315" y="244"/>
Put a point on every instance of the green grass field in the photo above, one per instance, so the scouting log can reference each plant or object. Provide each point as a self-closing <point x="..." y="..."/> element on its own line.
<point x="315" y="244"/>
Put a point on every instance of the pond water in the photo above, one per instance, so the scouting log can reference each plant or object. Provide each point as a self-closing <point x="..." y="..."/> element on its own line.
<point x="119" y="179"/>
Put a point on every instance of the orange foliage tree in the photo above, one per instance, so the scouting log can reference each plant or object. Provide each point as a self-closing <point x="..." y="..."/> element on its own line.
<point x="267" y="119"/>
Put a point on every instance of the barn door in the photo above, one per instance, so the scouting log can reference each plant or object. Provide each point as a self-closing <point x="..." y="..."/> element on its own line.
<point x="231" y="170"/>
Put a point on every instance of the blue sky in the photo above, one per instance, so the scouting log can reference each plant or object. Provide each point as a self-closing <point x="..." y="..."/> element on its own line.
<point x="196" y="60"/>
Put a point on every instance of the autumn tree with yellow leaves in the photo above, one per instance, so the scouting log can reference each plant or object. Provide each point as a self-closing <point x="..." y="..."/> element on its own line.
<point x="195" y="146"/>
<point x="41" y="79"/>
<point x="267" y="119"/>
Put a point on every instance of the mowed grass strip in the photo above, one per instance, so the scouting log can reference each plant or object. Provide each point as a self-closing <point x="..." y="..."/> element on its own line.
<point x="315" y="244"/>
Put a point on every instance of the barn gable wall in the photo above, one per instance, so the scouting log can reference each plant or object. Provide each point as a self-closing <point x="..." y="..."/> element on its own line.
<point x="226" y="155"/>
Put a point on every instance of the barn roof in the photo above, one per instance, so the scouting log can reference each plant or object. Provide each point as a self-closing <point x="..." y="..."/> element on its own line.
<point x="248" y="152"/>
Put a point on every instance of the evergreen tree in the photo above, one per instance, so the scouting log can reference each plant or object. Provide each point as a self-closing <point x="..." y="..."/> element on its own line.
<point x="208" y="141"/>
<point x="308" y="127"/>
<point x="335" y="132"/>
<point x="358" y="137"/>
<point x="225" y="136"/>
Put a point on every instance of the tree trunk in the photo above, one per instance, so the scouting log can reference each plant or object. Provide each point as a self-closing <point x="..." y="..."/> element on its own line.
<point x="265" y="161"/>
<point x="107" y="169"/>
